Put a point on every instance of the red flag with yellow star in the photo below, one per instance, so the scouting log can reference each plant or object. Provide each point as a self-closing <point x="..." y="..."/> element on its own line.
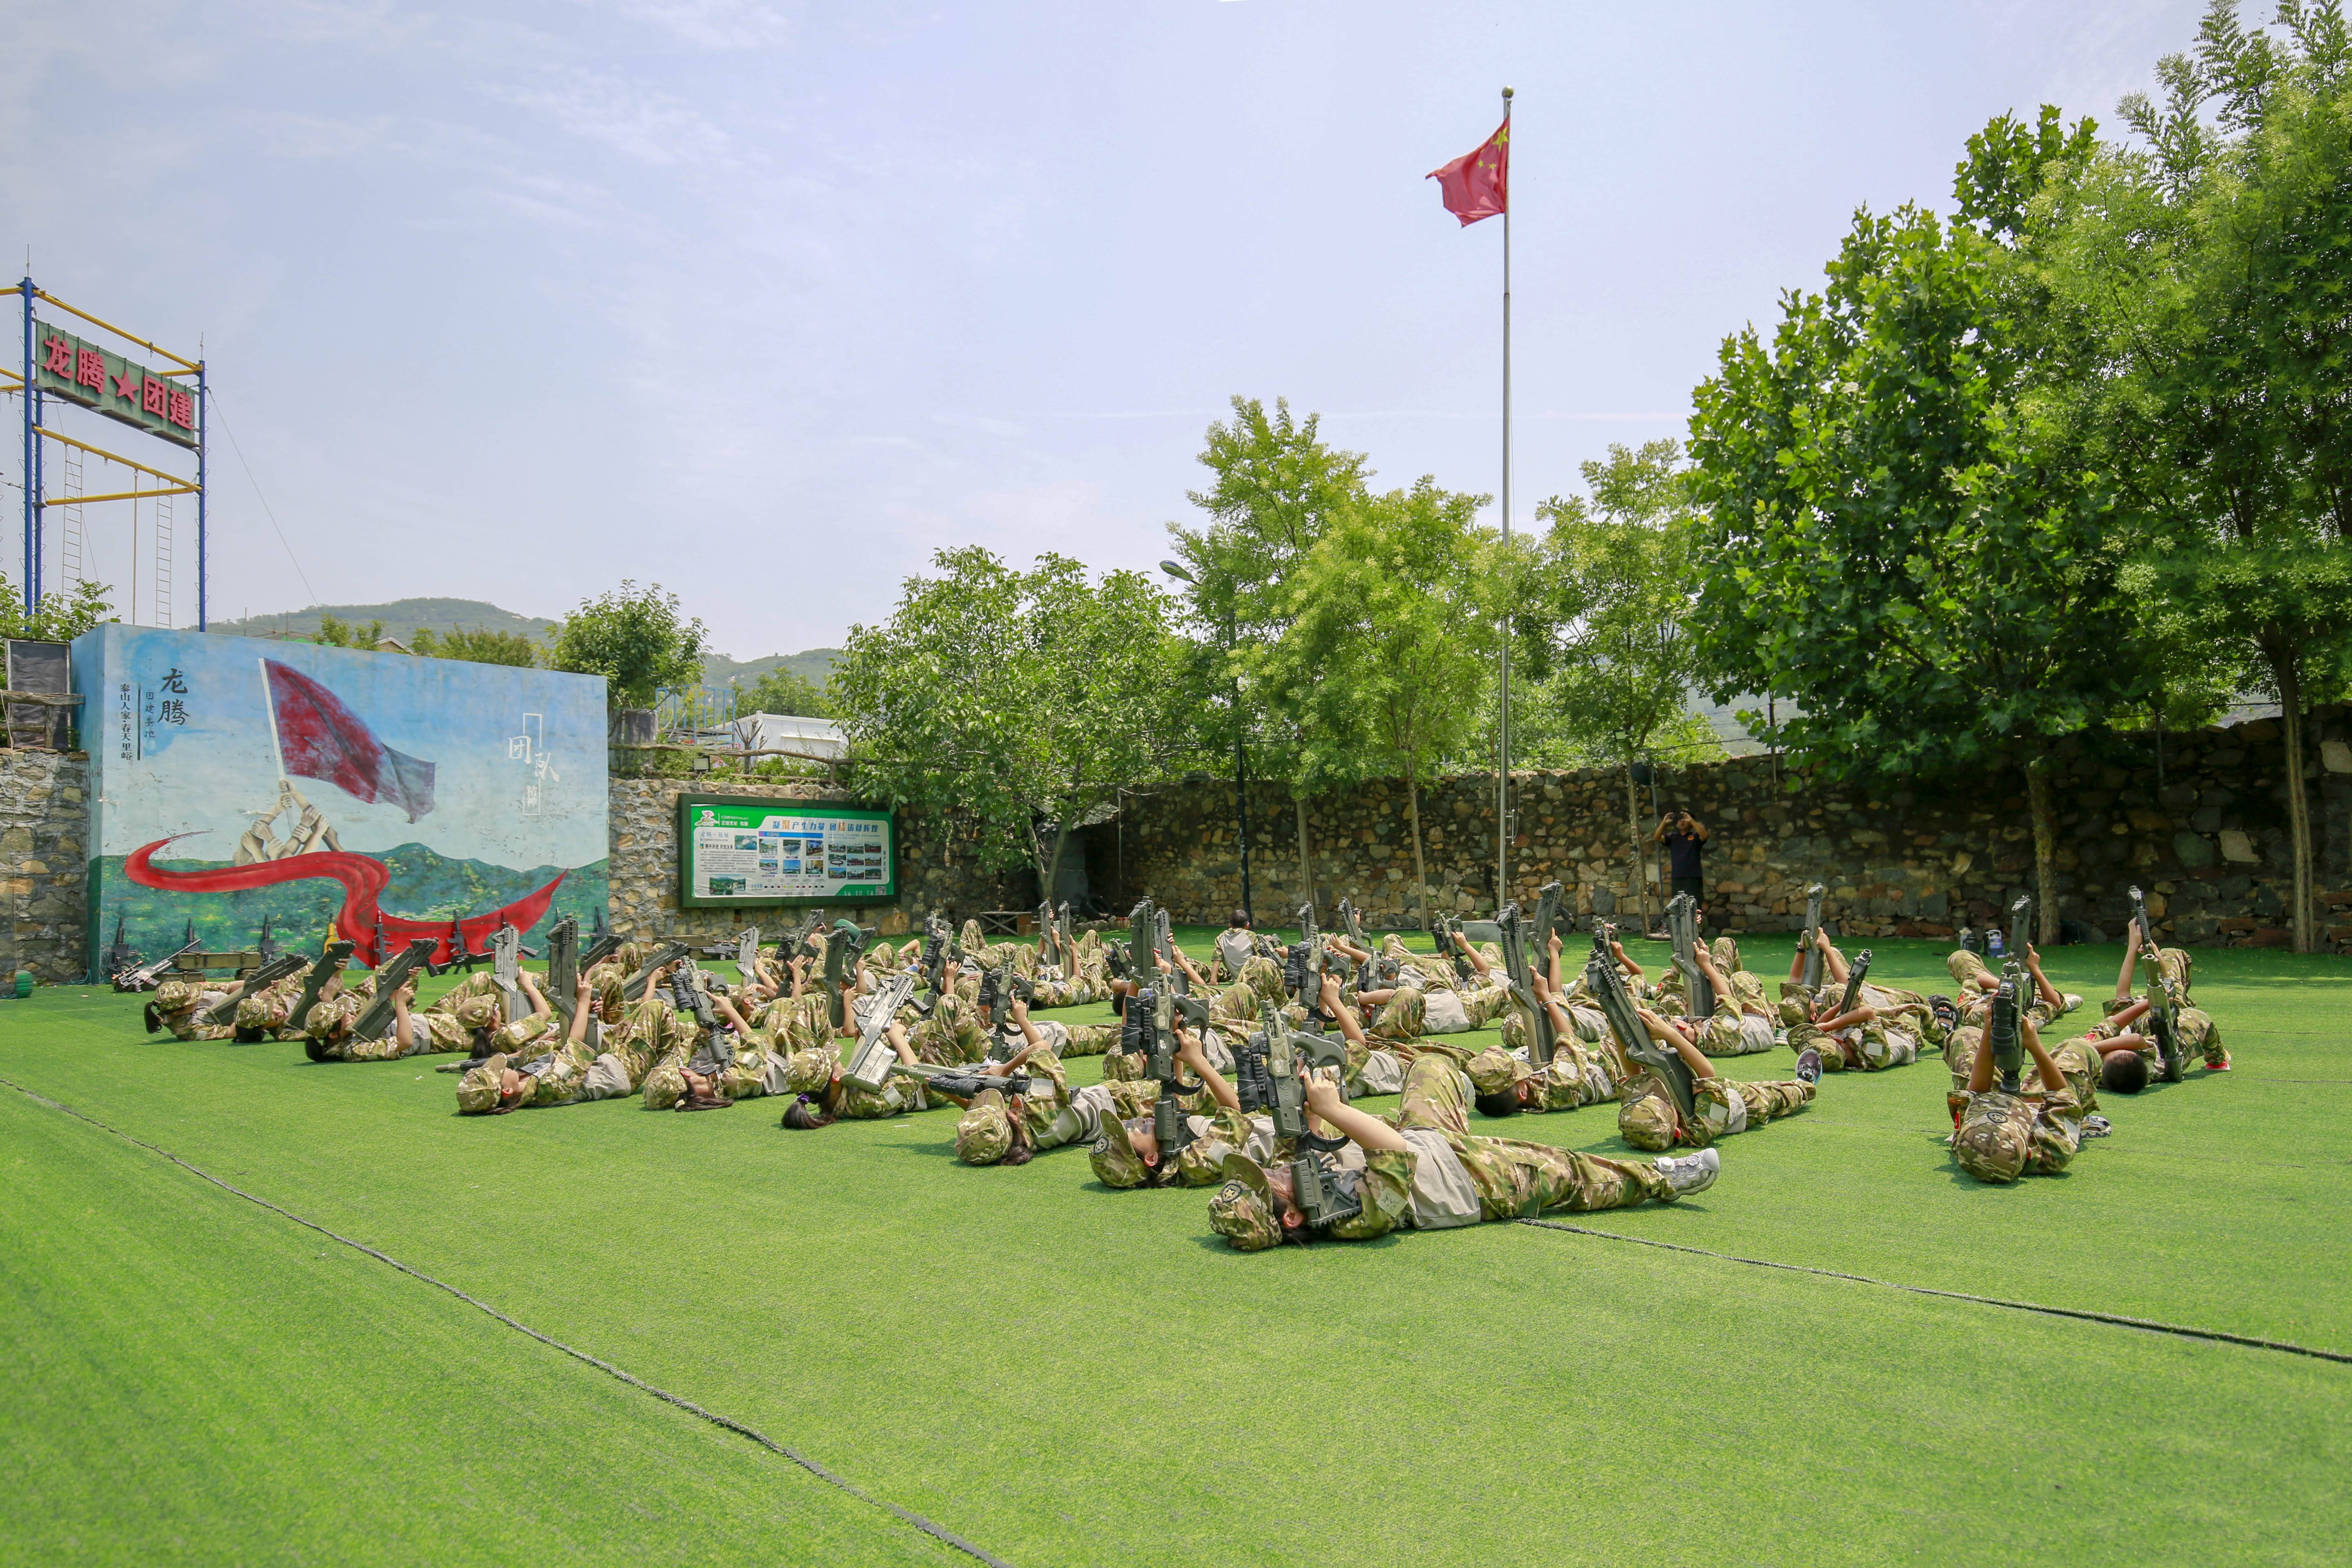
<point x="1478" y="184"/>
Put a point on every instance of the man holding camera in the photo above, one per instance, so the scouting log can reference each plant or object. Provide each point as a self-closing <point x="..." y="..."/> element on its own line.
<point x="1684" y="837"/>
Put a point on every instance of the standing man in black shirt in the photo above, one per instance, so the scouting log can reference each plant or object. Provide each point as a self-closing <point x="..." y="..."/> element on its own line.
<point x="1684" y="837"/>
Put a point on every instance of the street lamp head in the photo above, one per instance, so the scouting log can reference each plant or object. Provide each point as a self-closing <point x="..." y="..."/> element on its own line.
<point x="1176" y="569"/>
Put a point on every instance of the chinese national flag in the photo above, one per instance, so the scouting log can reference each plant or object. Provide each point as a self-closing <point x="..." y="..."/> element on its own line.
<point x="1478" y="184"/>
<point x="322" y="739"/>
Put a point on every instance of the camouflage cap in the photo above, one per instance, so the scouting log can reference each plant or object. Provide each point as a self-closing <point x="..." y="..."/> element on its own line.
<point x="1494" y="1069"/>
<point x="810" y="1070"/>
<point x="1243" y="1209"/>
<point x="1113" y="1156"/>
<point x="1992" y="1149"/>
<point x="984" y="1135"/>
<point x="478" y="1012"/>
<point x="478" y="1091"/>
<point x="262" y="1011"/>
<point x="1646" y="1119"/>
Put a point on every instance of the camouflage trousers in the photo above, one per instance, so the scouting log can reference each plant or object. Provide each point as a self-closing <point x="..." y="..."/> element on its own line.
<point x="1729" y="1032"/>
<point x="2197" y="1033"/>
<point x="1514" y="1177"/>
<point x="1400" y="1017"/>
<point x="1868" y="1047"/>
<point x="2004" y="1136"/>
<point x="2079" y="1061"/>
<point x="429" y="1034"/>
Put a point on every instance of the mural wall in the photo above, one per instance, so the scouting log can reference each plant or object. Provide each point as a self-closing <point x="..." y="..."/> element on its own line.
<point x="376" y="796"/>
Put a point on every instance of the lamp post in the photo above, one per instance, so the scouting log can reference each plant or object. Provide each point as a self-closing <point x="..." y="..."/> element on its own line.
<point x="1241" y="756"/>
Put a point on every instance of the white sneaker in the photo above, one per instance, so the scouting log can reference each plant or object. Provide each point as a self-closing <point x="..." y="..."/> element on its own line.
<point x="1691" y="1174"/>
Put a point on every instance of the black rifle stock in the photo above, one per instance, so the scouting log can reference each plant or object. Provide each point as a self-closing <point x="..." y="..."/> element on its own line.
<point x="379" y="1016"/>
<point x="2020" y="924"/>
<point x="329" y="963"/>
<point x="1535" y="936"/>
<point x="1606" y="984"/>
<point x="2004" y="1029"/>
<point x="634" y="988"/>
<point x="2163" y="1017"/>
<point x="1810" y="977"/>
<point x="1853" y="973"/>
<point x="962" y="1083"/>
<point x="266" y="944"/>
<point x="266" y="974"/>
<point x="1543" y="1041"/>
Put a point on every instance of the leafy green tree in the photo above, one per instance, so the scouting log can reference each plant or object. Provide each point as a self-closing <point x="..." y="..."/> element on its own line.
<point x="637" y="638"/>
<point x="476" y="646"/>
<point x="1606" y="636"/>
<point x="1892" y="544"/>
<point x="1013" y="700"/>
<point x="1276" y="489"/>
<point x="780" y="691"/>
<point x="336" y="632"/>
<point x="2198" y="279"/>
<point x="1385" y="659"/>
<point x="62" y="616"/>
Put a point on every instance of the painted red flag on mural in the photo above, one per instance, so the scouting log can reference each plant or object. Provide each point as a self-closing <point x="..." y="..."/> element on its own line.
<point x="1478" y="184"/>
<point x="319" y="738"/>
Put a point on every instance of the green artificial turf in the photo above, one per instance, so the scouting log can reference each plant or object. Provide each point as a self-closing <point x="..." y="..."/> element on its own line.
<point x="1066" y="1375"/>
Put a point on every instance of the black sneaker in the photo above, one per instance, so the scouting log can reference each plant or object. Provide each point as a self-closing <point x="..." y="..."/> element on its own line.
<point x="1809" y="1066"/>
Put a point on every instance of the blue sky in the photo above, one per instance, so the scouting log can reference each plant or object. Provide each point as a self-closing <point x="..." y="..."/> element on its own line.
<point x="767" y="301"/>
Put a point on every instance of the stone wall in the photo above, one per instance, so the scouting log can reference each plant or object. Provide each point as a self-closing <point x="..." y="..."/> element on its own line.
<point x="644" y="866"/>
<point x="2208" y="840"/>
<point x="44" y="877"/>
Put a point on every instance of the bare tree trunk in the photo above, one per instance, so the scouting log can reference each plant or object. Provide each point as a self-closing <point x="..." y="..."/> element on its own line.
<point x="1637" y="887"/>
<point x="2045" y="849"/>
<point x="2287" y="670"/>
<point x="1420" y="872"/>
<point x="1305" y="866"/>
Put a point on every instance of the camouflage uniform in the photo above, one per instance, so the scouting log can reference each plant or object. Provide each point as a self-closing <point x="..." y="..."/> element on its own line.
<point x="429" y="1033"/>
<point x="1400" y="1017"/>
<point x="2004" y="1136"/>
<point x="269" y="1013"/>
<point x="1578" y="1075"/>
<point x="1861" y="1047"/>
<point x="1732" y="1031"/>
<point x="951" y="1036"/>
<point x="1051" y="1114"/>
<point x="1719" y="1108"/>
<point x="179" y="1003"/>
<point x="1588" y="1023"/>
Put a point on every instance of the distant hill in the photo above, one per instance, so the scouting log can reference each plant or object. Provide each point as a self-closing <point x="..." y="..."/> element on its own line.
<point x="403" y="617"/>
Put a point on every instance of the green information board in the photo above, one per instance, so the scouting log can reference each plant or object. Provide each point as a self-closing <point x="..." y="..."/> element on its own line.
<point x="81" y="371"/>
<point x="738" y="849"/>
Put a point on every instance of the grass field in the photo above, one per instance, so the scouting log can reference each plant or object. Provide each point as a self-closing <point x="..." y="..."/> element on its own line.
<point x="1065" y="1374"/>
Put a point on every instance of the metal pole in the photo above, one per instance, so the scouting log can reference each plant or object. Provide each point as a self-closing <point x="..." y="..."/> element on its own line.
<point x="1502" y="727"/>
<point x="32" y="463"/>
<point x="1240" y="780"/>
<point x="204" y="425"/>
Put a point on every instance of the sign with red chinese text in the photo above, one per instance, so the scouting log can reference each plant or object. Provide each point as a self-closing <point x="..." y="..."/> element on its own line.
<point x="80" y="372"/>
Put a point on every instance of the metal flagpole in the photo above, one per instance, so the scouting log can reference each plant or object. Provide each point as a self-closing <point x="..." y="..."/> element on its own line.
<point x="1502" y="728"/>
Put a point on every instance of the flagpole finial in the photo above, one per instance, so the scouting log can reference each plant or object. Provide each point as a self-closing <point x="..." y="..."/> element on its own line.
<point x="1507" y="92"/>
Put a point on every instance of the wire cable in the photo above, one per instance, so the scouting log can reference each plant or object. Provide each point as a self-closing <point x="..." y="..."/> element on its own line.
<point x="689" y="1405"/>
<point x="2117" y="1318"/>
<point x="214" y="393"/>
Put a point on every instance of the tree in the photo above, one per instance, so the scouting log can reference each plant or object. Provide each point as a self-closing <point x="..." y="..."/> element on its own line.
<point x="1891" y="543"/>
<point x="2205" y="274"/>
<point x="636" y="638"/>
<point x="1385" y="657"/>
<point x="336" y="632"/>
<point x="61" y="617"/>
<point x="1606" y="638"/>
<point x="780" y="691"/>
<point x="1013" y="700"/>
<point x="476" y="646"/>
<point x="1276" y="488"/>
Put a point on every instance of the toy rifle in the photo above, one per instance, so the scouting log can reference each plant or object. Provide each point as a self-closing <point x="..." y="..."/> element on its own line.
<point x="1682" y="924"/>
<point x="1179" y="980"/>
<point x="121" y="955"/>
<point x="2004" y="1030"/>
<point x="2021" y="924"/>
<point x="1066" y="943"/>
<point x="147" y="976"/>
<point x="266" y="974"/>
<point x="1445" y="931"/>
<point x="566" y="963"/>
<point x="1853" y="973"/>
<point x="390" y="977"/>
<point x="661" y="958"/>
<point x="871" y="1058"/>
<point x="796" y="943"/>
<point x="933" y="965"/>
<point x="266" y="944"/>
<point x="2163" y="1018"/>
<point x="1607" y="982"/>
<point x="692" y="999"/>
<point x="1551" y="917"/>
<point x="1155" y="1021"/>
<point x="1810" y="977"/>
<point x="1047" y="937"/>
<point x="506" y="970"/>
<point x="1542" y="1042"/>
<point x="962" y="1083"/>
<point x="843" y="944"/>
<point x="1278" y="1062"/>
<point x="747" y="956"/>
<point x="329" y="963"/>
